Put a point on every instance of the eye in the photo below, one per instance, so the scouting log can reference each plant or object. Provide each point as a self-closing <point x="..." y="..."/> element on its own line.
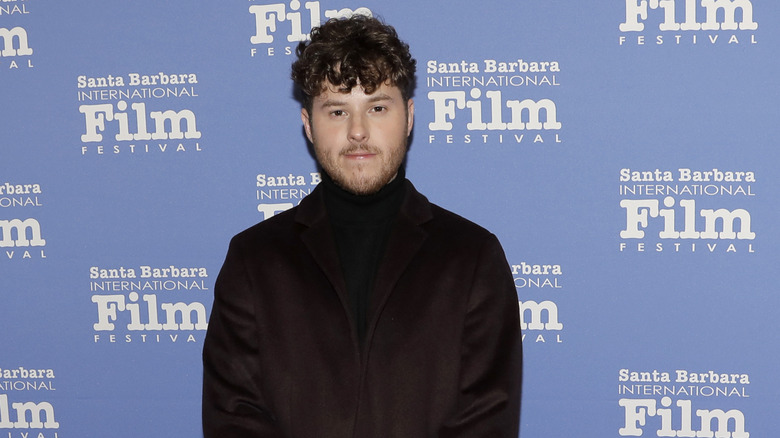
<point x="378" y="109"/>
<point x="337" y="113"/>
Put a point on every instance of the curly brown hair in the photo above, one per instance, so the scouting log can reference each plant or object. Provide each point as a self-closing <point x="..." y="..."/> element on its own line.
<point x="358" y="50"/>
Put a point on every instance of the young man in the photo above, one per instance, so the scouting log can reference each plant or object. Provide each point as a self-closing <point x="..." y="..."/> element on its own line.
<point x="366" y="311"/>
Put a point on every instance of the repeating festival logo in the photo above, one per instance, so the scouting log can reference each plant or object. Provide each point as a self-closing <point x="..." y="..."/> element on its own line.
<point x="687" y="211"/>
<point x="15" y="50"/>
<point x="682" y="402"/>
<point x="688" y="23"/>
<point x="21" y="237"/>
<point x="135" y="113"/>
<point x="492" y="101"/>
<point x="23" y="408"/>
<point x="280" y="26"/>
<point x="539" y="287"/>
<point x="277" y="193"/>
<point x="149" y="304"/>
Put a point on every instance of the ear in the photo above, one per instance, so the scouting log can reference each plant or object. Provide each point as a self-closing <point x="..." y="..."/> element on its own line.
<point x="409" y="116"/>
<point x="305" y="118"/>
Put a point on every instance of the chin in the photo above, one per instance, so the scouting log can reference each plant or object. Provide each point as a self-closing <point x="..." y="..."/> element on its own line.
<point x="368" y="187"/>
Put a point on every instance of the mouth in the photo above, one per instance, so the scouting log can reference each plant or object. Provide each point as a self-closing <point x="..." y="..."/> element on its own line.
<point x="359" y="154"/>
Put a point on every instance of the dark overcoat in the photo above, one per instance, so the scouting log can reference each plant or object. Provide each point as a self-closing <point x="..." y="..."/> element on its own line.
<point x="442" y="353"/>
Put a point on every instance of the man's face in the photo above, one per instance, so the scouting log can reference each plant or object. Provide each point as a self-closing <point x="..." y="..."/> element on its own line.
<point x="360" y="139"/>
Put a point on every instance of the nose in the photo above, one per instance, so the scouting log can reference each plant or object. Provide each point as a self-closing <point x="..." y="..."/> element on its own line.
<point x="358" y="128"/>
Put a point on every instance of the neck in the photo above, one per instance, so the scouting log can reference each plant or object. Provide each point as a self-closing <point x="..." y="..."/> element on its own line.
<point x="344" y="206"/>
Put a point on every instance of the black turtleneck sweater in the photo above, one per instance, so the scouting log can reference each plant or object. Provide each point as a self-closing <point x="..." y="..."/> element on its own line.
<point x="361" y="226"/>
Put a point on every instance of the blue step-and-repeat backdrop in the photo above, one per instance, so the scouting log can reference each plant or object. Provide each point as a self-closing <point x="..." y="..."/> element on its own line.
<point x="625" y="153"/>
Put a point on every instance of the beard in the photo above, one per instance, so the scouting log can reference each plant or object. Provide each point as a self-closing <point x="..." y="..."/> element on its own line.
<point x="363" y="178"/>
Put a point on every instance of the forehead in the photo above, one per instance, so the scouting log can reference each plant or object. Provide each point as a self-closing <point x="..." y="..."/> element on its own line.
<point x="334" y="94"/>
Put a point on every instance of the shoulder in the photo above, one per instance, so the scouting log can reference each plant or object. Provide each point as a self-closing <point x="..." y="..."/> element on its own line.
<point x="432" y="217"/>
<point x="284" y="226"/>
<point x="439" y="221"/>
<point x="272" y="239"/>
<point x="273" y="234"/>
<point x="271" y="225"/>
<point x="452" y="222"/>
<point x="457" y="233"/>
<point x="447" y="230"/>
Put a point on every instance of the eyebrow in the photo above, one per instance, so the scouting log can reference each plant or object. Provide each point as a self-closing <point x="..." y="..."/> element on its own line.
<point x="380" y="97"/>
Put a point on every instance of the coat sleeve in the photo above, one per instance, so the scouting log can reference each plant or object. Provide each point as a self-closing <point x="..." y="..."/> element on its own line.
<point x="233" y="405"/>
<point x="490" y="379"/>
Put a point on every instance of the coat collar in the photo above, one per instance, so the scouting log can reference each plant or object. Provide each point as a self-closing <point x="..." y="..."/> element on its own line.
<point x="415" y="207"/>
<point x="406" y="238"/>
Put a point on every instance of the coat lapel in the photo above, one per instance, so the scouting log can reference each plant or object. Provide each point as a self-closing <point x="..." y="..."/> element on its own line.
<point x="318" y="238"/>
<point x="405" y="240"/>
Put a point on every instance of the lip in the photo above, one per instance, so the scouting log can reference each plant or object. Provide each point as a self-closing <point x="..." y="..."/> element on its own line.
<point x="359" y="155"/>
